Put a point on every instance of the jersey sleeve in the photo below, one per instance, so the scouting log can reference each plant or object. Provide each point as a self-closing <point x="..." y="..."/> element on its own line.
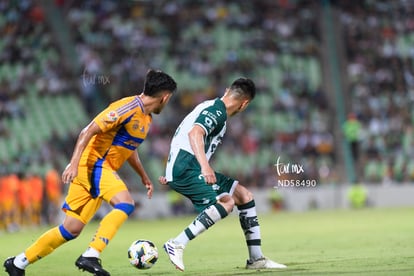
<point x="110" y="117"/>
<point x="210" y="118"/>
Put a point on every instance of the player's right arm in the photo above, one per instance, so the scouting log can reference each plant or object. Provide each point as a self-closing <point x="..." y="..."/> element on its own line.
<point x="71" y="170"/>
<point x="196" y="137"/>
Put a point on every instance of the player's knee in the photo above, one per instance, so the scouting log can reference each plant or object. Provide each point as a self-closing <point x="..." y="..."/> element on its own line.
<point x="227" y="202"/>
<point x="127" y="208"/>
<point x="71" y="228"/>
<point x="248" y="196"/>
<point x="69" y="234"/>
<point x="242" y="195"/>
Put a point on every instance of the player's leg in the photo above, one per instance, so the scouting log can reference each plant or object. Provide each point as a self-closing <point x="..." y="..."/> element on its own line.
<point x="46" y="244"/>
<point x="249" y="222"/>
<point x="79" y="208"/>
<point x="211" y="207"/>
<point x="113" y="190"/>
<point x="52" y="239"/>
<point x="211" y="201"/>
<point x="206" y="218"/>
<point x="123" y="205"/>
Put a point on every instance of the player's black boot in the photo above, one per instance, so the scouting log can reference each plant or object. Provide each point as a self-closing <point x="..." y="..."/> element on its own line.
<point x="11" y="269"/>
<point x="92" y="265"/>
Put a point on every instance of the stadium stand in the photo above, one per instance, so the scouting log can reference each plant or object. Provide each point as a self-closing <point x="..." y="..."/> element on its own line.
<point x="120" y="42"/>
<point x="205" y="45"/>
<point x="379" y="52"/>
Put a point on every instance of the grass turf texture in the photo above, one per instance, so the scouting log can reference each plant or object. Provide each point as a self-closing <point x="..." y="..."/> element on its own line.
<point x="341" y="242"/>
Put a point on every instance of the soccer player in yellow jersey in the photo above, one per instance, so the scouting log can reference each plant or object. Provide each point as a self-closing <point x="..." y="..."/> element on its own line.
<point x="101" y="148"/>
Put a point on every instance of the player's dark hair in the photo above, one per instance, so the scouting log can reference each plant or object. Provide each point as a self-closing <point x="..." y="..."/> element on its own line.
<point x="157" y="81"/>
<point x="244" y="87"/>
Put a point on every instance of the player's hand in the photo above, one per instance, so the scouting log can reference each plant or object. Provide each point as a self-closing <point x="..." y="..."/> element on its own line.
<point x="69" y="173"/>
<point x="162" y="180"/>
<point x="209" y="175"/>
<point x="148" y="184"/>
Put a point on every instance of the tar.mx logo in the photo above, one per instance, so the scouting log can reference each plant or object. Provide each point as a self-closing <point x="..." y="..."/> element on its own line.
<point x="288" y="168"/>
<point x="92" y="79"/>
<point x="132" y="60"/>
<point x="291" y="175"/>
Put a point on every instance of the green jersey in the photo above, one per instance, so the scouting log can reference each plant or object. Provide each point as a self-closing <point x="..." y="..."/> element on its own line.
<point x="211" y="116"/>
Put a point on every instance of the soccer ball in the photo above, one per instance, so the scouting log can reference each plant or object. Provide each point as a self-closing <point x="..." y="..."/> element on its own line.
<point x="142" y="254"/>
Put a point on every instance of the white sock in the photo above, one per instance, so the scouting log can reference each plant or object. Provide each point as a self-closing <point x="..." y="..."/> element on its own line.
<point x="182" y="238"/>
<point x="91" y="252"/>
<point x="21" y="261"/>
<point x="203" y="221"/>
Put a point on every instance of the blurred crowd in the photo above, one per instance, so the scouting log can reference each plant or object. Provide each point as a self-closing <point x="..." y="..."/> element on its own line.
<point x="205" y="45"/>
<point x="29" y="56"/>
<point x="30" y="65"/>
<point x="379" y="43"/>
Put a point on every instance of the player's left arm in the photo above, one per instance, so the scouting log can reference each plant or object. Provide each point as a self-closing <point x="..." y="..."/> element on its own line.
<point x="135" y="162"/>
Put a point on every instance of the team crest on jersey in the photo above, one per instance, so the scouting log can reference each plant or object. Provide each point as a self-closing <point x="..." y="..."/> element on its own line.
<point x="135" y="125"/>
<point x="112" y="116"/>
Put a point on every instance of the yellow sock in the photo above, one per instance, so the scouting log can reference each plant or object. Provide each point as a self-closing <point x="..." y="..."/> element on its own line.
<point x="45" y="245"/>
<point x="107" y="229"/>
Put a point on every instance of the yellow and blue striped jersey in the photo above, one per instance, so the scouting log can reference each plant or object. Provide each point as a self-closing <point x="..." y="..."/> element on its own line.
<point x="124" y="127"/>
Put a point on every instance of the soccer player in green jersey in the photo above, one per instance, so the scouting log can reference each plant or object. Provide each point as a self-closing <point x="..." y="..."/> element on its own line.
<point x="214" y="195"/>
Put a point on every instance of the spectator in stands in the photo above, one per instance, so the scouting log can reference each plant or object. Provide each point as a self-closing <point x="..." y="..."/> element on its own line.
<point x="380" y="69"/>
<point x="25" y="207"/>
<point x="36" y="197"/>
<point x="53" y="189"/>
<point x="9" y="184"/>
<point x="352" y="134"/>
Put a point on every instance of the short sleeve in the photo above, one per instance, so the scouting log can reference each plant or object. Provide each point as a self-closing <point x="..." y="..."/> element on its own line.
<point x="107" y="119"/>
<point x="211" y="118"/>
<point x="112" y="116"/>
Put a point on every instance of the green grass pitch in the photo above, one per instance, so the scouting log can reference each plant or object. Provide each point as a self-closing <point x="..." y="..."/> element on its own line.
<point x="340" y="242"/>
